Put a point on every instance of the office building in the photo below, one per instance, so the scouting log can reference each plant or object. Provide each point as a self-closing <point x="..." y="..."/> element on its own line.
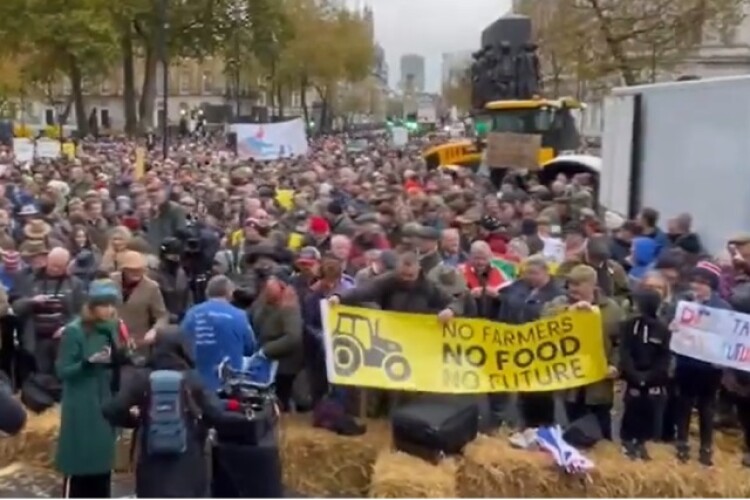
<point x="455" y="65"/>
<point x="412" y="73"/>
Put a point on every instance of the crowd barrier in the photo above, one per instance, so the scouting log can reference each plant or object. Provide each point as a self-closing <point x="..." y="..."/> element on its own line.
<point x="321" y="464"/>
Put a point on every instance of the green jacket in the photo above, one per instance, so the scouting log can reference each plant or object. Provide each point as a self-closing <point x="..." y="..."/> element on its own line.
<point x="86" y="444"/>
<point x="602" y="392"/>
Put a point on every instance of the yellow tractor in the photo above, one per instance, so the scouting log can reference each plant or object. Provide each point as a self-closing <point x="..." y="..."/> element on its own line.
<point x="357" y="343"/>
<point x="552" y="119"/>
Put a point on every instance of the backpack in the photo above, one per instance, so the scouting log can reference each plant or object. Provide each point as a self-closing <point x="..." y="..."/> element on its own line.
<point x="167" y="432"/>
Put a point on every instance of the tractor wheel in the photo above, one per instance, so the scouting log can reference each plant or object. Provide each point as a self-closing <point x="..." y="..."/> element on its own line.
<point x="397" y="368"/>
<point x="347" y="355"/>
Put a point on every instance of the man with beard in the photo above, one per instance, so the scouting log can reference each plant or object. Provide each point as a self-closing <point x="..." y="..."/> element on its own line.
<point x="172" y="280"/>
<point x="49" y="299"/>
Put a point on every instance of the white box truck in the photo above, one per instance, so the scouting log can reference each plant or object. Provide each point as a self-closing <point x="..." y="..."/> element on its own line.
<point x="681" y="147"/>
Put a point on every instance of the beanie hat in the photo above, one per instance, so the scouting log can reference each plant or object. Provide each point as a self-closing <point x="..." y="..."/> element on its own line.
<point x="103" y="292"/>
<point x="707" y="272"/>
<point x="389" y="259"/>
<point x="335" y="207"/>
<point x="11" y="260"/>
<point x="318" y="225"/>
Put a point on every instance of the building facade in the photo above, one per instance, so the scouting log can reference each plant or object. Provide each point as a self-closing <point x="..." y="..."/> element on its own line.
<point x="412" y="73"/>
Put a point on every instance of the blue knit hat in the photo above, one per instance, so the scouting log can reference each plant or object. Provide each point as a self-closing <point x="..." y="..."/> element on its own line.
<point x="103" y="292"/>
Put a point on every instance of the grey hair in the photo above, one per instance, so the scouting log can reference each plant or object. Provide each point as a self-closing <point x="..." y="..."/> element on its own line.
<point x="219" y="287"/>
<point x="481" y="246"/>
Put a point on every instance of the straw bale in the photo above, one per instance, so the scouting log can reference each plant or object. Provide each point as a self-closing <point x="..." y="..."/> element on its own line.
<point x="398" y="475"/>
<point x="492" y="468"/>
<point x="320" y="463"/>
<point x="35" y="445"/>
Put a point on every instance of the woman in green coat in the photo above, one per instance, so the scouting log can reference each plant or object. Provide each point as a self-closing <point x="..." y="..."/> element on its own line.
<point x="89" y="345"/>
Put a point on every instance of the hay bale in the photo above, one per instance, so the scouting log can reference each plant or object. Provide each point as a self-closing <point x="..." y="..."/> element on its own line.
<point x="492" y="468"/>
<point x="398" y="475"/>
<point x="320" y="463"/>
<point x="35" y="445"/>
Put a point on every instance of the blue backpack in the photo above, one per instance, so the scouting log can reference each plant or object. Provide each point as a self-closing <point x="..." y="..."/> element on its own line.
<point x="167" y="432"/>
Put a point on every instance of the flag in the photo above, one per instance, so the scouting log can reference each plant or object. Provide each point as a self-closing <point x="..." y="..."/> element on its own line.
<point x="565" y="456"/>
<point x="507" y="267"/>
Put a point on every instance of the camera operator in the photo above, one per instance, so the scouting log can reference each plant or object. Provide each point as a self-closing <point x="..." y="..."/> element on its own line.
<point x="196" y="263"/>
<point x="160" y="475"/>
<point x="49" y="299"/>
<point x="173" y="280"/>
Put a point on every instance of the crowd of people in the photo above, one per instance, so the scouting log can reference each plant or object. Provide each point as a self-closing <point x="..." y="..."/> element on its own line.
<point x="109" y="273"/>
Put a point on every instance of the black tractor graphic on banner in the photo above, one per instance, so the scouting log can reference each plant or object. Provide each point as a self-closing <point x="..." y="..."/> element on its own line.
<point x="356" y="343"/>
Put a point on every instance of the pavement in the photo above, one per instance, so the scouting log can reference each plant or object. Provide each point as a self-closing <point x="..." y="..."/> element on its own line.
<point x="24" y="481"/>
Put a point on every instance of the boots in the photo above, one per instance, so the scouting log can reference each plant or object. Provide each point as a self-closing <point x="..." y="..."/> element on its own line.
<point x="705" y="457"/>
<point x="683" y="452"/>
<point x="630" y="448"/>
<point x="642" y="451"/>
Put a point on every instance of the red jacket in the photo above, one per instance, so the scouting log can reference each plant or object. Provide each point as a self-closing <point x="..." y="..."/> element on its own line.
<point x="494" y="277"/>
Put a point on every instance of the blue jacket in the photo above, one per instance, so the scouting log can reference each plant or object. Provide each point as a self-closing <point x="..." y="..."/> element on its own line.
<point x="8" y="280"/>
<point x="661" y="240"/>
<point x="217" y="330"/>
<point x="645" y="251"/>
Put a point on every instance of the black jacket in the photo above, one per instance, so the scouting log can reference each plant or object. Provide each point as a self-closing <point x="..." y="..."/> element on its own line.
<point x="12" y="414"/>
<point x="644" y="352"/>
<point x="185" y="475"/>
<point x="518" y="305"/>
<point x="175" y="289"/>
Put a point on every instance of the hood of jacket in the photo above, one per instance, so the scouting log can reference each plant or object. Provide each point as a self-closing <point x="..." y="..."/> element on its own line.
<point x="170" y="351"/>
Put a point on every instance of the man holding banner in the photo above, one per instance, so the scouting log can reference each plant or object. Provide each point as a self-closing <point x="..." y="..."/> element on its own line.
<point x="594" y="399"/>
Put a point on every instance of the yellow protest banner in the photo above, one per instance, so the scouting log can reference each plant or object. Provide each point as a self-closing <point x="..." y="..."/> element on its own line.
<point x="140" y="162"/>
<point x="285" y="197"/>
<point x="69" y="150"/>
<point x="414" y="352"/>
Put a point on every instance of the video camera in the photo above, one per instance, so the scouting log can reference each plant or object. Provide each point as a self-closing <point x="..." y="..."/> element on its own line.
<point x="249" y="401"/>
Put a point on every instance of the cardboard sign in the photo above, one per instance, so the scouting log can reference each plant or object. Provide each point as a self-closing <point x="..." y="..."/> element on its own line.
<point x="516" y="151"/>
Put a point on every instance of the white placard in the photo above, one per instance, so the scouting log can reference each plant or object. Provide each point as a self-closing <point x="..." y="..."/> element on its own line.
<point x="271" y="141"/>
<point x="48" y="148"/>
<point x="716" y="336"/>
<point x="23" y="149"/>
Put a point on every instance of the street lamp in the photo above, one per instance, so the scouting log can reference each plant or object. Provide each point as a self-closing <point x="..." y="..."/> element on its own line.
<point x="238" y="15"/>
<point x="163" y="45"/>
<point x="60" y="106"/>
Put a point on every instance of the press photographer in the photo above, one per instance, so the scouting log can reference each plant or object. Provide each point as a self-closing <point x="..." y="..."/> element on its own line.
<point x="173" y="280"/>
<point x="49" y="299"/>
<point x="196" y="261"/>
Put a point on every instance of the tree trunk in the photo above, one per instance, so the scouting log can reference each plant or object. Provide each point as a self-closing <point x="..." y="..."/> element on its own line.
<point x="128" y="80"/>
<point x="280" y="100"/>
<point x="66" y="112"/>
<point x="323" y="94"/>
<point x="303" y="100"/>
<point x="615" y="47"/>
<point x="76" y="83"/>
<point x="148" y="91"/>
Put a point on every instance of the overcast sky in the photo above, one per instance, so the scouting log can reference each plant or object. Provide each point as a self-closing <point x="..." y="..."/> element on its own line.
<point x="430" y="28"/>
